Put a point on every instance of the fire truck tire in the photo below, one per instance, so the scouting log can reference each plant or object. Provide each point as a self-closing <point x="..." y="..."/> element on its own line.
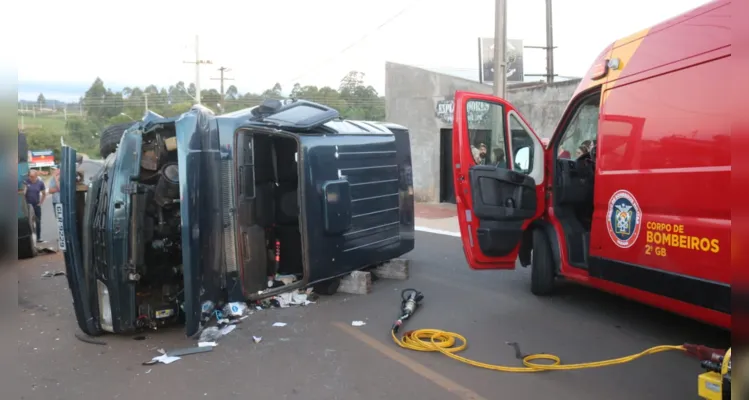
<point x="542" y="265"/>
<point x="110" y="138"/>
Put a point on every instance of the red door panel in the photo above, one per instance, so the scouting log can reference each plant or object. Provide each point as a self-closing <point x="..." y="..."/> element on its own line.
<point x="498" y="176"/>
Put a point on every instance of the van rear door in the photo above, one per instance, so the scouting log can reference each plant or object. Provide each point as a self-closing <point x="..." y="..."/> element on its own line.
<point x="499" y="178"/>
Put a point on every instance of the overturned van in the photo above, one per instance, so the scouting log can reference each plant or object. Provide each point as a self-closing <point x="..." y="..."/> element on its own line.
<point x="194" y="211"/>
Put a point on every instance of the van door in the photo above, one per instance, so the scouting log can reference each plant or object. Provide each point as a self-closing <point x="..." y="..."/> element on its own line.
<point x="499" y="178"/>
<point x="70" y="225"/>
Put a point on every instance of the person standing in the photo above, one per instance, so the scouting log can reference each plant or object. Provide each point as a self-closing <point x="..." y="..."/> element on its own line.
<point x="54" y="187"/>
<point x="35" y="196"/>
<point x="54" y="190"/>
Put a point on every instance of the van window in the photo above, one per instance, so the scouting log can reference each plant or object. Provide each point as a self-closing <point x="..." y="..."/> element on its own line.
<point x="582" y="130"/>
<point x="486" y="132"/>
<point x="522" y="146"/>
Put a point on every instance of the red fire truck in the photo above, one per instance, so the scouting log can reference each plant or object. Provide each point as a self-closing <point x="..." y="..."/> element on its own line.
<point x="631" y="194"/>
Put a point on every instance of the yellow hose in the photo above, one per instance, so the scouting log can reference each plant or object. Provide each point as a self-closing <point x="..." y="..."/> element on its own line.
<point x="444" y="342"/>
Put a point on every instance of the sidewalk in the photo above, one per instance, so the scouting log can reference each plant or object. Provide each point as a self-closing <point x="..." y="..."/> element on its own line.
<point x="438" y="218"/>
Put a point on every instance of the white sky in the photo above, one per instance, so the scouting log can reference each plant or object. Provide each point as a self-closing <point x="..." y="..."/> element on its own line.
<point x="142" y="42"/>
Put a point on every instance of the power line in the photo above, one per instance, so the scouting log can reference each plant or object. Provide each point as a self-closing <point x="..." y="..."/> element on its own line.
<point x="356" y="42"/>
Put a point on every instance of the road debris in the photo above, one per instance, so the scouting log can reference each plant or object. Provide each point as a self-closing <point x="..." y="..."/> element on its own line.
<point x="188" y="350"/>
<point x="46" y="250"/>
<point x="164" y="359"/>
<point x="295" y="298"/>
<point x="358" y="323"/>
<point x="207" y="344"/>
<point x="279" y="324"/>
<point x="236" y="309"/>
<point x="50" y="274"/>
<point x="88" y="339"/>
<point x="227" y="329"/>
<point x="210" y="334"/>
<point x="257" y="339"/>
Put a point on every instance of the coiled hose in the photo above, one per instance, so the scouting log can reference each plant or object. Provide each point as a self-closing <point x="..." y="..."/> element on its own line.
<point x="435" y="340"/>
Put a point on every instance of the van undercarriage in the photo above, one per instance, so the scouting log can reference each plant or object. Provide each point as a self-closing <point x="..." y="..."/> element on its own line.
<point x="154" y="260"/>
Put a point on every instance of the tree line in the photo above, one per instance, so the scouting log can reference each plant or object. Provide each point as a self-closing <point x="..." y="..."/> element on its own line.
<point x="103" y="106"/>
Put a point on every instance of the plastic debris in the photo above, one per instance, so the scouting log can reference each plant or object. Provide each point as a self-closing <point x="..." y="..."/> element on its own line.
<point x="165" y="359"/>
<point x="358" y="323"/>
<point x="286" y="279"/>
<point x="257" y="339"/>
<point x="227" y="329"/>
<point x="210" y="334"/>
<point x="207" y="344"/>
<point x="279" y="324"/>
<point x="50" y="274"/>
<point x="235" y="309"/>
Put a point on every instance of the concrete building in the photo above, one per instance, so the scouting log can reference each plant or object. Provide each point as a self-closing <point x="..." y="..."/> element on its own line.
<point x="422" y="100"/>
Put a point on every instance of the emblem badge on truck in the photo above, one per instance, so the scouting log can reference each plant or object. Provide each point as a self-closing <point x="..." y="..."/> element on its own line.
<point x="624" y="219"/>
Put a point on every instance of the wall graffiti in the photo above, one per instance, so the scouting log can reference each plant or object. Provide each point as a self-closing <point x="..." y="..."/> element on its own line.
<point x="475" y="110"/>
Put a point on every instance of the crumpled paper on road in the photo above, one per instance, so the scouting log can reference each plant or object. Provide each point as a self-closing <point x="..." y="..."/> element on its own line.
<point x="294" y="298"/>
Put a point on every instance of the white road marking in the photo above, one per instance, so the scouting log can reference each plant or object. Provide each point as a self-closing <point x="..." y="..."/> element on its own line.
<point x="437" y="231"/>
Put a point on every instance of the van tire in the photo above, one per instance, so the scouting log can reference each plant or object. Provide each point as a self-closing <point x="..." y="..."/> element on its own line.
<point x="327" y="288"/>
<point x="27" y="229"/>
<point x="110" y="138"/>
<point x="542" y="265"/>
<point x="27" y="247"/>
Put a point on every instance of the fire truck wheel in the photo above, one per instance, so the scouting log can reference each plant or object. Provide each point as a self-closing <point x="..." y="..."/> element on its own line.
<point x="542" y="265"/>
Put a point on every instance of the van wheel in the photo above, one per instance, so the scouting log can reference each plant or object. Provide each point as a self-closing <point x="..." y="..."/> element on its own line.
<point x="542" y="265"/>
<point x="328" y="288"/>
<point x="27" y="247"/>
<point x="110" y="138"/>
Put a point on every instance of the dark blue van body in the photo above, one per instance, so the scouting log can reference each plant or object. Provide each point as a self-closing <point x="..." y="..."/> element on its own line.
<point x="195" y="211"/>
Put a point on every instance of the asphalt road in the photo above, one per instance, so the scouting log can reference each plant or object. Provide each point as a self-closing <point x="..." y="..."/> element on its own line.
<point x="319" y="355"/>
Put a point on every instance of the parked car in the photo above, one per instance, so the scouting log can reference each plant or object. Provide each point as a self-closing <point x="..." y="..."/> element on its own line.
<point x="191" y="212"/>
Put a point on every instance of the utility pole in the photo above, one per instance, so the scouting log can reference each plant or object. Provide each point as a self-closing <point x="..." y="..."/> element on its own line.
<point x="222" y="79"/>
<point x="197" y="63"/>
<point x="145" y="95"/>
<point x="549" y="45"/>
<point x="500" y="40"/>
